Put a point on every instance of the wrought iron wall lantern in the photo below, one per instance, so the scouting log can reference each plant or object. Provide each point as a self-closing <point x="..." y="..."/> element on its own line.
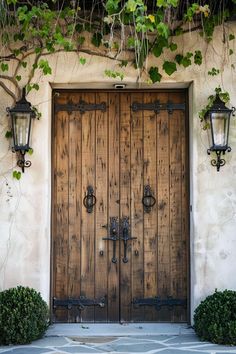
<point x="218" y="119"/>
<point x="21" y="123"/>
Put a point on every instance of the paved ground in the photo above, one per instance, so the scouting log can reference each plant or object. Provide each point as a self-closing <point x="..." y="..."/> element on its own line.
<point x="180" y="340"/>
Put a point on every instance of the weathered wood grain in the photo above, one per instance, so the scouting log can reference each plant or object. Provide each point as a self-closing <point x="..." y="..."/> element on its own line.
<point x="88" y="222"/>
<point x="118" y="152"/>
<point x="150" y="219"/>
<point x="125" y="196"/>
<point x="113" y="202"/>
<point x="136" y="207"/>
<point x="101" y="214"/>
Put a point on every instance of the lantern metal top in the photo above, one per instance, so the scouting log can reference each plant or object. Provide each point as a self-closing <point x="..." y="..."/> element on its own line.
<point x="22" y="106"/>
<point x="219" y="106"/>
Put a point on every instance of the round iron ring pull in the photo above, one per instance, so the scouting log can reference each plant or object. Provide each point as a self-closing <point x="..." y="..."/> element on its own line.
<point x="148" y="199"/>
<point x="89" y="200"/>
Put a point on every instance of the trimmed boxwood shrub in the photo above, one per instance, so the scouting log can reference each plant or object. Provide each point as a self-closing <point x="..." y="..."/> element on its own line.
<point x="24" y="315"/>
<point x="215" y="318"/>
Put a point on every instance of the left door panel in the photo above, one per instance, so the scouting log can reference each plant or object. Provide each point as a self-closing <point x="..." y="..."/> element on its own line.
<point x="80" y="160"/>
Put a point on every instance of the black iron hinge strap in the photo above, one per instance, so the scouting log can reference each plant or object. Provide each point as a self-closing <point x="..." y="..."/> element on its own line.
<point x="81" y="107"/>
<point x="158" y="303"/>
<point x="80" y="302"/>
<point x="157" y="106"/>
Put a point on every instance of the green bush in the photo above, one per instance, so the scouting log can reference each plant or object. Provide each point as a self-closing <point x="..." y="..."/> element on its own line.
<point x="215" y="318"/>
<point x="24" y="315"/>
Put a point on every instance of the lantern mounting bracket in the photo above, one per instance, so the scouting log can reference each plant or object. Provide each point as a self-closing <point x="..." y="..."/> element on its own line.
<point x="218" y="162"/>
<point x="22" y="162"/>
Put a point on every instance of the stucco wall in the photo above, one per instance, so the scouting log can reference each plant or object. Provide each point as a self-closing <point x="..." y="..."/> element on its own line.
<point x="25" y="204"/>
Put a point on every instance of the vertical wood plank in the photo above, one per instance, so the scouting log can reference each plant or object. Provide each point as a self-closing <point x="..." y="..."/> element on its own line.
<point x="136" y="206"/>
<point x="150" y="219"/>
<point x="164" y="276"/>
<point x="185" y="316"/>
<point x="176" y="262"/>
<point x="88" y="220"/>
<point x="101" y="260"/>
<point x="118" y="152"/>
<point x="75" y="160"/>
<point x="125" y="268"/>
<point x="113" y="202"/>
<point x="60" y="230"/>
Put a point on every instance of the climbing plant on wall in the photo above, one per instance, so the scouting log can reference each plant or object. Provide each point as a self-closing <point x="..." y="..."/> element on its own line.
<point x="126" y="31"/>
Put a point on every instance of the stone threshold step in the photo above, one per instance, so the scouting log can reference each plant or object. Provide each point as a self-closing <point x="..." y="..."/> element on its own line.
<point x="116" y="329"/>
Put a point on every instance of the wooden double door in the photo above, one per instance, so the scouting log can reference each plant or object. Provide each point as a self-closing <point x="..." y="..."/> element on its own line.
<point x="120" y="223"/>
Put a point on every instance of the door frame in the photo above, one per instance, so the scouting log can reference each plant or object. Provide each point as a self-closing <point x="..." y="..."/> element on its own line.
<point x="188" y="90"/>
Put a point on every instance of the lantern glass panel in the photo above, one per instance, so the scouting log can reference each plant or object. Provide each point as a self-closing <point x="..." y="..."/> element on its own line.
<point x="21" y="130"/>
<point x="220" y="129"/>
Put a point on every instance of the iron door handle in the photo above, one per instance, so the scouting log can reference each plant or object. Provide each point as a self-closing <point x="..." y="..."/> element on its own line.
<point x="90" y="199"/>
<point x="125" y="236"/>
<point x="148" y="199"/>
<point x="113" y="236"/>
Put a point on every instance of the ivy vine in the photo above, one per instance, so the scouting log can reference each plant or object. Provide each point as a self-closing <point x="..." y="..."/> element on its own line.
<point x="38" y="29"/>
<point x="32" y="31"/>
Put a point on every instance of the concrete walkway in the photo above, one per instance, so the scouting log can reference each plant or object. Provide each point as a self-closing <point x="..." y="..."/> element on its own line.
<point x="119" y="339"/>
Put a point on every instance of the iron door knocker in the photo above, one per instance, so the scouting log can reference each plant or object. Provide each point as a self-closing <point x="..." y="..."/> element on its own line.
<point x="148" y="199"/>
<point x="90" y="199"/>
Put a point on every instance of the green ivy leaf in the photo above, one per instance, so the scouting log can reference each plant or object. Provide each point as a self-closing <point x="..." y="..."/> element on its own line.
<point x="35" y="87"/>
<point x="44" y="66"/>
<point x="30" y="151"/>
<point x="123" y="63"/>
<point x="231" y="52"/>
<point x="160" y="44"/>
<point x="178" y="31"/>
<point x="18" y="77"/>
<point x="82" y="60"/>
<point x="96" y="39"/>
<point x="131" y="42"/>
<point x="198" y="57"/>
<point x="4" y="67"/>
<point x="114" y="74"/>
<point x="213" y="72"/>
<point x="154" y="74"/>
<point x="173" y="47"/>
<point x="131" y="5"/>
<point x="24" y="64"/>
<point x="231" y="37"/>
<point x="8" y="134"/>
<point x="163" y="30"/>
<point x="179" y="58"/>
<point x="186" y="61"/>
<point x="112" y="6"/>
<point x="17" y="175"/>
<point x="169" y="67"/>
<point x="38" y="50"/>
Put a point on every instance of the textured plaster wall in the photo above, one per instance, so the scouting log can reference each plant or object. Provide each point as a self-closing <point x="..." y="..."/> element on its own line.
<point x="25" y="204"/>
